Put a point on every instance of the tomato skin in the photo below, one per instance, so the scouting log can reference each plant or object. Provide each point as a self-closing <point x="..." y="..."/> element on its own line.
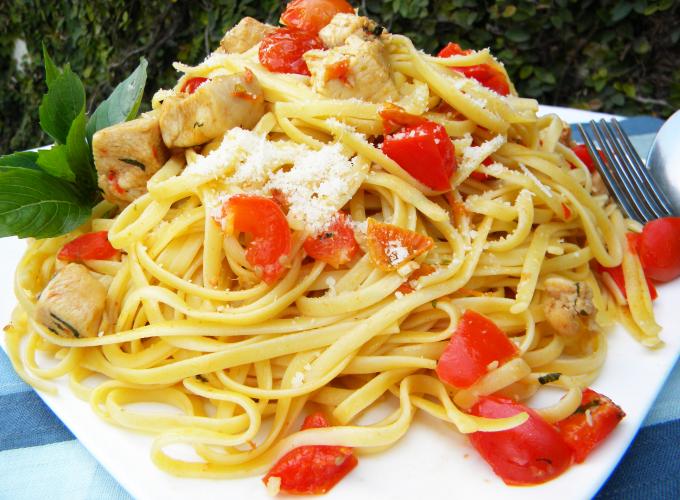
<point x="475" y="344"/>
<point x="312" y="15"/>
<point x="583" y="433"/>
<point x="581" y="150"/>
<point x="616" y="273"/>
<point x="531" y="453"/>
<point x="265" y="220"/>
<point x="426" y="152"/>
<point x="312" y="470"/>
<point x="336" y="245"/>
<point x="282" y="50"/>
<point x="192" y="84"/>
<point x="485" y="74"/>
<point x="89" y="246"/>
<point x="659" y="249"/>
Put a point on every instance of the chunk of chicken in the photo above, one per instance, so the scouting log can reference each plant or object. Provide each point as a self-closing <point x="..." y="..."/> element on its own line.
<point x="344" y="25"/>
<point x="568" y="305"/>
<point x="246" y="34"/>
<point x="126" y="155"/>
<point x="72" y="303"/>
<point x="357" y="69"/>
<point x="218" y="105"/>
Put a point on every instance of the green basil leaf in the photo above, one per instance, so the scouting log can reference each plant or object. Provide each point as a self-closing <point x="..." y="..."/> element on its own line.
<point x="51" y="70"/>
<point x="35" y="204"/>
<point x="79" y="158"/>
<point x="122" y="104"/>
<point x="25" y="159"/>
<point x="54" y="161"/>
<point x="64" y="100"/>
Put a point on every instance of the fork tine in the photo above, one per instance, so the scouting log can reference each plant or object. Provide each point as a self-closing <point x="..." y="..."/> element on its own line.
<point x="608" y="177"/>
<point x="635" y="188"/>
<point x="661" y="205"/>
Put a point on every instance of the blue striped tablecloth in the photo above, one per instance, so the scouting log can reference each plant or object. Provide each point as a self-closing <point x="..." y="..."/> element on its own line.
<point x="41" y="459"/>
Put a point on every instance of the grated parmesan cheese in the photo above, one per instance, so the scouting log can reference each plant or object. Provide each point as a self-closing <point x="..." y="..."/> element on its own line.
<point x="298" y="379"/>
<point x="330" y="283"/>
<point x="396" y="252"/>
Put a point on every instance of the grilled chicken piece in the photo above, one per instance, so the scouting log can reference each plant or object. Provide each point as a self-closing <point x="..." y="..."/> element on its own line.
<point x="126" y="156"/>
<point x="357" y="69"/>
<point x="246" y="34"/>
<point x="218" y="105"/>
<point x="343" y="25"/>
<point x="568" y="306"/>
<point x="72" y="303"/>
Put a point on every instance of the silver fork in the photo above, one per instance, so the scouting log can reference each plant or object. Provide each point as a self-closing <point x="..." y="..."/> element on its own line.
<point x="623" y="172"/>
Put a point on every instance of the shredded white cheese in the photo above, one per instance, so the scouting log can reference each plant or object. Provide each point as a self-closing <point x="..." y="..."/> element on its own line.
<point x="538" y="183"/>
<point x="298" y="379"/>
<point x="396" y="252"/>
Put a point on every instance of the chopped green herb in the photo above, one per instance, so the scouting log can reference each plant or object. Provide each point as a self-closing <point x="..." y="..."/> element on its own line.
<point x="202" y="378"/>
<point x="133" y="162"/>
<point x="548" y="378"/>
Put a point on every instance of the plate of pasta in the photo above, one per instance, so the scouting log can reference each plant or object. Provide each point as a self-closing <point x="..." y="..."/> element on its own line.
<point x="327" y="262"/>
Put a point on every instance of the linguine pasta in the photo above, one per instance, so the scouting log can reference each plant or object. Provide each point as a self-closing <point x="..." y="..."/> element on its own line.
<point x="188" y="322"/>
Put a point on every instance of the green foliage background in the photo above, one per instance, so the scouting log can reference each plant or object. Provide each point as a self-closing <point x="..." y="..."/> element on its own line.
<point x="616" y="56"/>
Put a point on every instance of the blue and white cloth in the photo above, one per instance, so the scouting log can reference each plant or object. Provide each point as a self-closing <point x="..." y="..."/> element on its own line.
<point x="41" y="459"/>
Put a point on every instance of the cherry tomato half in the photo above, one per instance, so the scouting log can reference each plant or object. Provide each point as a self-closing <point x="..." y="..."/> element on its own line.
<point x="312" y="15"/>
<point x="336" y="245"/>
<point x="282" y="50"/>
<point x="531" y="453"/>
<point x="192" y="84"/>
<point x="426" y="152"/>
<point x="659" y="249"/>
<point x="590" y="424"/>
<point x="492" y="78"/>
<point x="476" y="343"/>
<point x="265" y="221"/>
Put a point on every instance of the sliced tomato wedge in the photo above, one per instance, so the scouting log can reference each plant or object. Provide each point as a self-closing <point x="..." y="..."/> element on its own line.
<point x="282" y="50"/>
<point x="426" y="152"/>
<point x="590" y="424"/>
<point x="390" y="247"/>
<point x="476" y="344"/>
<point x="263" y="219"/>
<point x="312" y="15"/>
<point x="312" y="470"/>
<point x="89" y="246"/>
<point x="659" y="249"/>
<point x="531" y="453"/>
<point x="192" y="84"/>
<point x="336" y="245"/>
<point x="492" y="78"/>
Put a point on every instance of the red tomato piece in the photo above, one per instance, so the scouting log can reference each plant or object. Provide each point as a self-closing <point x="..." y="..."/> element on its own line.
<point x="581" y="150"/>
<point x="282" y="50"/>
<point x="89" y="246"/>
<point x="265" y="221"/>
<point x="312" y="470"/>
<point x="476" y="343"/>
<point x="659" y="249"/>
<point x="338" y="71"/>
<point x="192" y="84"/>
<point x="531" y="453"/>
<point x="423" y="270"/>
<point x="492" y="78"/>
<point x="590" y="424"/>
<point x="426" y="152"/>
<point x="336" y="245"/>
<point x="616" y="273"/>
<point x="312" y="15"/>
<point x="394" y="118"/>
<point x="566" y="211"/>
<point x="390" y="247"/>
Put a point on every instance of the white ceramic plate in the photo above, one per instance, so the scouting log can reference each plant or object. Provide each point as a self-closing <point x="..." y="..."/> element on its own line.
<point x="433" y="461"/>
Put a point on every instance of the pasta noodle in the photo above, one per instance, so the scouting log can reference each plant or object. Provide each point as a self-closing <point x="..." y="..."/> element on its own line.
<point x="189" y="324"/>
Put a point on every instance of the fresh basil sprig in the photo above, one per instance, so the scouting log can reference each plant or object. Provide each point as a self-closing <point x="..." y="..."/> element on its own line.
<point x="50" y="192"/>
